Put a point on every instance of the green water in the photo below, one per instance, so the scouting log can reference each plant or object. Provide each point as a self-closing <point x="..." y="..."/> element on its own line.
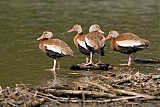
<point x="23" y="21"/>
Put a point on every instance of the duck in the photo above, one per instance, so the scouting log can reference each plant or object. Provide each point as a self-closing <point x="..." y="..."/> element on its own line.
<point x="79" y="41"/>
<point x="54" y="48"/>
<point x="95" y="42"/>
<point x="127" y="43"/>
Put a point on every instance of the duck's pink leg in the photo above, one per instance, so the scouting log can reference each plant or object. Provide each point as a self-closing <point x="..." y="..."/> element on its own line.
<point x="133" y="58"/>
<point x="54" y="69"/>
<point x="91" y="56"/>
<point x="87" y="59"/>
<point x="129" y="60"/>
<point x="99" y="61"/>
<point x="90" y="62"/>
<point x="59" y="63"/>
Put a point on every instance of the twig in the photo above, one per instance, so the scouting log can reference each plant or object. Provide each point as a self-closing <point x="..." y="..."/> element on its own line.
<point x="54" y="97"/>
<point x="45" y="97"/>
<point x="134" y="93"/>
<point x="99" y="86"/>
<point x="39" y="95"/>
<point x="83" y="98"/>
<point x="120" y="81"/>
<point x="11" y="103"/>
<point x="1" y="90"/>
<point x="122" y="98"/>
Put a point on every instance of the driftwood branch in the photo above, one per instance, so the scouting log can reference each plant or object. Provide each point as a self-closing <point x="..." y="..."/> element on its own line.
<point x="98" y="101"/>
<point x="79" y="92"/>
<point x="134" y="93"/>
<point x="123" y="91"/>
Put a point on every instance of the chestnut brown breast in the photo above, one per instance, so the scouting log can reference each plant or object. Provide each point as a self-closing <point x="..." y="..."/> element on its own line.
<point x="80" y="37"/>
<point x="79" y="41"/>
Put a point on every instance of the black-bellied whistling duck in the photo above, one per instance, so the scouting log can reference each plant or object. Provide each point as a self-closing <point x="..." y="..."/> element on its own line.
<point x="54" y="48"/>
<point x="95" y="42"/>
<point x="127" y="43"/>
<point x="79" y="41"/>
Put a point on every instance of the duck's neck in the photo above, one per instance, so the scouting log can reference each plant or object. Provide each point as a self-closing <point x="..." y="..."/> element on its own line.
<point x="77" y="36"/>
<point x="80" y="33"/>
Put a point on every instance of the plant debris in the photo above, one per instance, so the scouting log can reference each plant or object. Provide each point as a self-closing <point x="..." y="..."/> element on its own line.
<point x="108" y="87"/>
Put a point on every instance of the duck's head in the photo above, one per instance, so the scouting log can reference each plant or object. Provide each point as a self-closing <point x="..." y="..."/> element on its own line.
<point x="112" y="34"/>
<point x="95" y="28"/>
<point x="46" y="35"/>
<point x="77" y="28"/>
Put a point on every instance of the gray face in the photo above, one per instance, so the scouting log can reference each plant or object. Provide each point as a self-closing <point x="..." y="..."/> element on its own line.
<point x="77" y="28"/>
<point x="94" y="28"/>
<point x="113" y="34"/>
<point x="48" y="34"/>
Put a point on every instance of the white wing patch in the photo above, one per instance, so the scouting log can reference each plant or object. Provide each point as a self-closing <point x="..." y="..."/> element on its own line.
<point x="82" y="43"/>
<point x="87" y="42"/>
<point x="55" y="48"/>
<point x="104" y="42"/>
<point x="129" y="43"/>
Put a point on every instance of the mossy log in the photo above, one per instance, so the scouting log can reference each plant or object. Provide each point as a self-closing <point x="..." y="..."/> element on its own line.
<point x="104" y="67"/>
<point x="147" y="61"/>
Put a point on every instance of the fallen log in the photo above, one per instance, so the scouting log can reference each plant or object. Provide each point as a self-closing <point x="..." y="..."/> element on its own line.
<point x="94" y="94"/>
<point x="104" y="67"/>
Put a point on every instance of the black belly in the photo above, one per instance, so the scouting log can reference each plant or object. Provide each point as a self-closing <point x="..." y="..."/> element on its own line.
<point x="83" y="50"/>
<point x="102" y="52"/>
<point x="53" y="54"/>
<point x="96" y="51"/>
<point x="129" y="50"/>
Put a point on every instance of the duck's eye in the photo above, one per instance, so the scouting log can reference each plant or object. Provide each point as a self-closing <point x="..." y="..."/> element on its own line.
<point x="46" y="33"/>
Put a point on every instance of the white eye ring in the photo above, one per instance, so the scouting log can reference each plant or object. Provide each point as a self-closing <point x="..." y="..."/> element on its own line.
<point x="111" y="34"/>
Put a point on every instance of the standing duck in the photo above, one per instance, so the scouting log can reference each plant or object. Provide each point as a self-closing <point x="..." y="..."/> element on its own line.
<point x="95" y="42"/>
<point x="54" y="48"/>
<point x="79" y="41"/>
<point x="127" y="43"/>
